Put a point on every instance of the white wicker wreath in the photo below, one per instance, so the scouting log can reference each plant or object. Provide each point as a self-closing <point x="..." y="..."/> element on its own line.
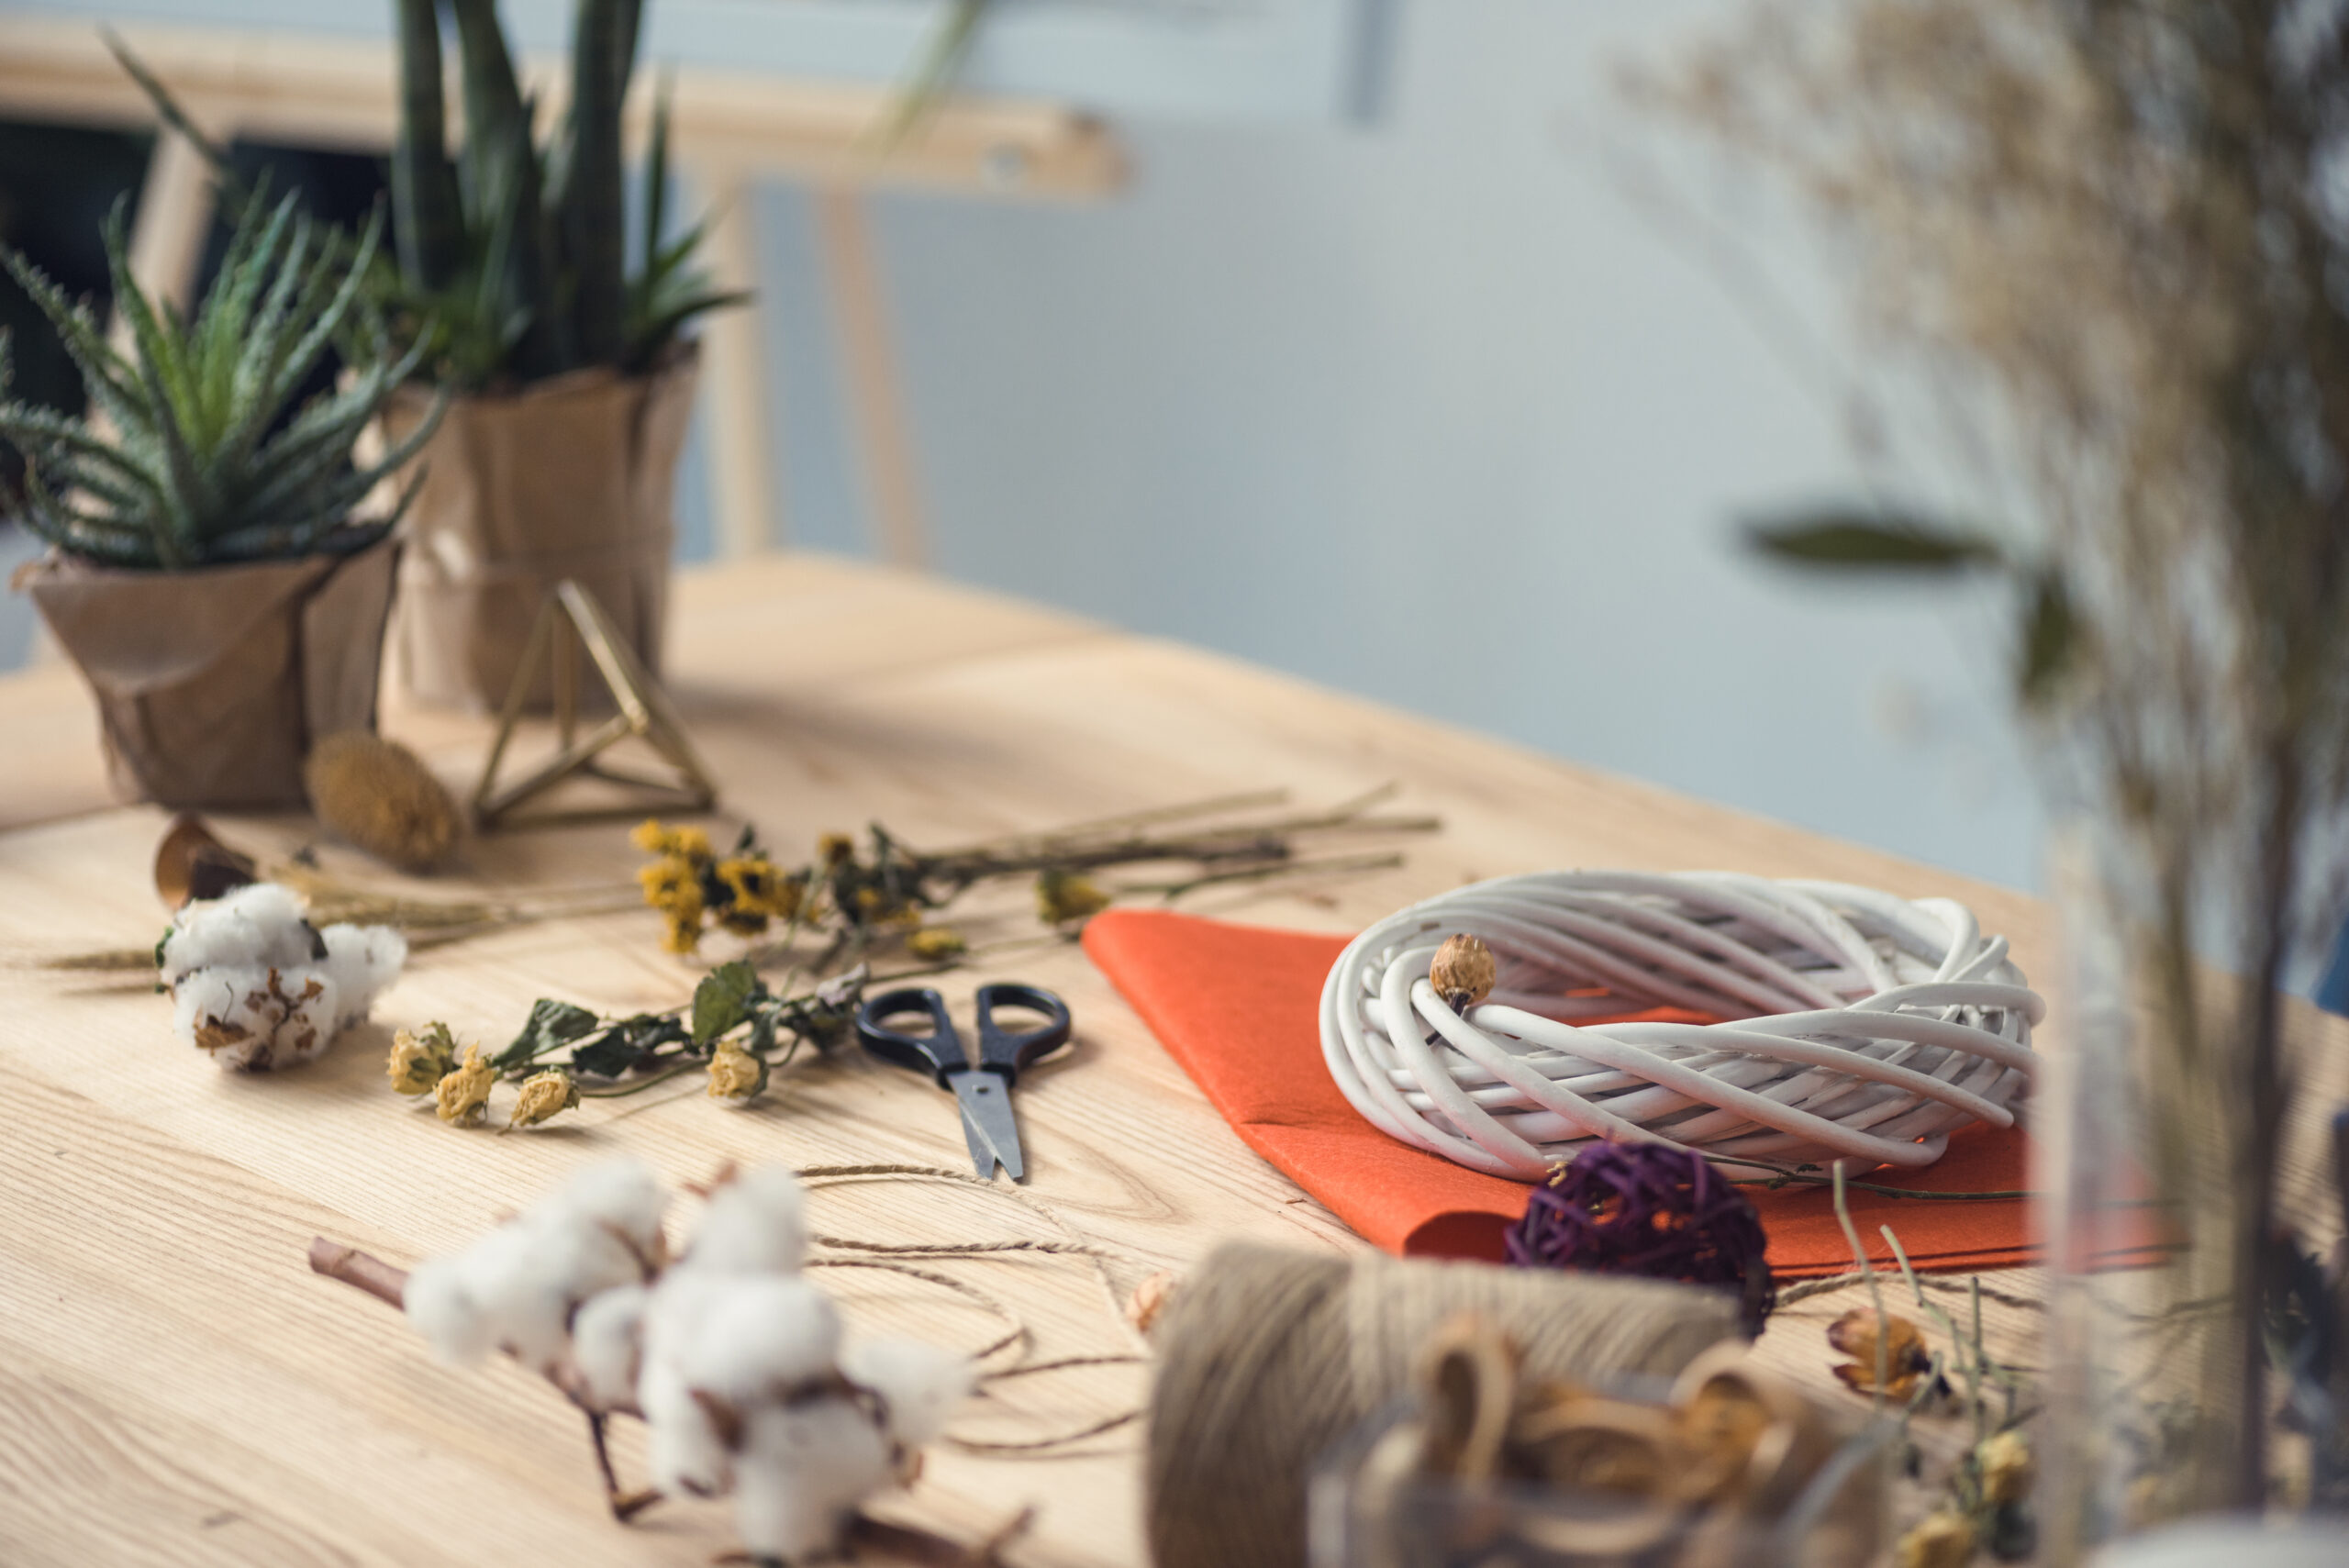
<point x="1854" y="1024"/>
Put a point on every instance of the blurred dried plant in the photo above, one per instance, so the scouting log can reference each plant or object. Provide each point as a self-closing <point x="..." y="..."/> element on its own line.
<point x="2116" y="234"/>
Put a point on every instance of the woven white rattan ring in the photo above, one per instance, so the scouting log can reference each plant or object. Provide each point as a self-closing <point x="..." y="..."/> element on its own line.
<point x="1852" y="1024"/>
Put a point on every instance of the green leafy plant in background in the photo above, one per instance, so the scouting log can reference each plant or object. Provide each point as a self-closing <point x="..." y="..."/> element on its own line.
<point x="188" y="456"/>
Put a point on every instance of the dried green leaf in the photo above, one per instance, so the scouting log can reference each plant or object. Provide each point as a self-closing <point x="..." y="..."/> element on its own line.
<point x="1871" y="541"/>
<point x="723" y="1000"/>
<point x="2051" y="635"/>
<point x="553" y="1024"/>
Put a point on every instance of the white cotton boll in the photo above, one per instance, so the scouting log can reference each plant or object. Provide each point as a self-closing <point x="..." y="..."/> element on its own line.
<point x="686" y="1453"/>
<point x="754" y="1224"/>
<point x="919" y="1385"/>
<point x="257" y="988"/>
<point x="532" y="1274"/>
<point x="802" y="1471"/>
<point x="607" y="1345"/>
<point x="258" y="924"/>
<point x="622" y="1193"/>
<point x="363" y="961"/>
<point x="759" y="1335"/>
<point x="254" y="1018"/>
<point x="441" y="1308"/>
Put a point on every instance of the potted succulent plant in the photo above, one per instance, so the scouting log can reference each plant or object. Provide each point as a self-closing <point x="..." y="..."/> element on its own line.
<point x="573" y="382"/>
<point x="211" y="570"/>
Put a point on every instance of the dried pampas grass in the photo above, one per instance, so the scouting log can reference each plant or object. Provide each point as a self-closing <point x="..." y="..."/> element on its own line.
<point x="380" y="796"/>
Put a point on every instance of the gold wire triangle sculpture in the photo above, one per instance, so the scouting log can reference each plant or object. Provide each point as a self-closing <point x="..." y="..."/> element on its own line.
<point x="571" y="621"/>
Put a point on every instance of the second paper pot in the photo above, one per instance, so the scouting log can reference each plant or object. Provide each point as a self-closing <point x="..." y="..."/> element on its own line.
<point x="572" y="477"/>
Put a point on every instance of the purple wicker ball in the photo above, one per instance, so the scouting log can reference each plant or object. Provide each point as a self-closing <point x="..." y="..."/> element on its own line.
<point x="1651" y="1210"/>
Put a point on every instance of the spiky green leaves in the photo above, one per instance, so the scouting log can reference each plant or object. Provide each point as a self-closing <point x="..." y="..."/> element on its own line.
<point x="188" y="459"/>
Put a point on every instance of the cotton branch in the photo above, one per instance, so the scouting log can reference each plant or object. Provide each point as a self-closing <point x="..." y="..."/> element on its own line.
<point x="387" y="1282"/>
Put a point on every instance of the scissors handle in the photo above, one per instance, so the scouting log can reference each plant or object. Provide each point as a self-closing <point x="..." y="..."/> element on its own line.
<point x="937" y="1054"/>
<point x="1007" y="1053"/>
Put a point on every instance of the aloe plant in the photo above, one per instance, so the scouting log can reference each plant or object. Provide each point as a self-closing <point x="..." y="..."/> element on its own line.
<point x="193" y="453"/>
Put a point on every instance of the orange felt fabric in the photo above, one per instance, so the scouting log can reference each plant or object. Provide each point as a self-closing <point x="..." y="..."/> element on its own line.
<point x="1240" y="1007"/>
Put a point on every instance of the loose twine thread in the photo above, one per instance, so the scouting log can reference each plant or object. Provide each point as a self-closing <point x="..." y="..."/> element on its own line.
<point x="1016" y="1338"/>
<point x="1267" y="1358"/>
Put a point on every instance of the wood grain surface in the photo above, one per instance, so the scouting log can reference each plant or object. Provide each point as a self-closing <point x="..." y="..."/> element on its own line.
<point x="175" y="1387"/>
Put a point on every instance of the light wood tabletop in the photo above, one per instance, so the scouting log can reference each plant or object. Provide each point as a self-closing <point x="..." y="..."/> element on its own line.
<point x="176" y="1387"/>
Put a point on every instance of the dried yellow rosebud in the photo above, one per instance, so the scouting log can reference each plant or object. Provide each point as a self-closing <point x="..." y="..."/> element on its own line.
<point x="1942" y="1540"/>
<point x="932" y="943"/>
<point x="419" y="1061"/>
<point x="2006" y="1468"/>
<point x="461" y="1094"/>
<point x="544" y="1095"/>
<point x="736" y="1073"/>
<point x="1463" y="971"/>
<point x="1064" y="896"/>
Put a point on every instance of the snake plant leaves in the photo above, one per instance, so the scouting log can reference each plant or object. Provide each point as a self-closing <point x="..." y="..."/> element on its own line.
<point x="194" y="452"/>
<point x="1851" y="538"/>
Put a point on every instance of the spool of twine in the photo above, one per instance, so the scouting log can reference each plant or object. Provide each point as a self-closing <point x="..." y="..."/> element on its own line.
<point x="1267" y="1357"/>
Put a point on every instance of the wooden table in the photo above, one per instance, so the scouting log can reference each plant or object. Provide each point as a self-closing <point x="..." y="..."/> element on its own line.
<point x="176" y="1387"/>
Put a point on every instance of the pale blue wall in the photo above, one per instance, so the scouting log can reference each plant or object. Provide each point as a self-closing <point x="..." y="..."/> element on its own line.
<point x="1429" y="411"/>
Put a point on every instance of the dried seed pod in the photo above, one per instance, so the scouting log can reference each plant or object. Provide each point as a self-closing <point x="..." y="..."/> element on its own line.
<point x="1463" y="971"/>
<point x="1149" y="1301"/>
<point x="191" y="863"/>
<point x="380" y="796"/>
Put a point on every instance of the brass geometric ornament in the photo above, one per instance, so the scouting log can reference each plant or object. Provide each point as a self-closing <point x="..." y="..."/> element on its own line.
<point x="571" y="621"/>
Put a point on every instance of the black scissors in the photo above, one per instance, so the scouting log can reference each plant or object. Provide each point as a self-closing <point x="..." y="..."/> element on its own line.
<point x="983" y="1089"/>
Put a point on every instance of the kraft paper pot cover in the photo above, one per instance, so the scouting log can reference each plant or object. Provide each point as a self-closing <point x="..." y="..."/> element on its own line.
<point x="213" y="682"/>
<point x="570" y="477"/>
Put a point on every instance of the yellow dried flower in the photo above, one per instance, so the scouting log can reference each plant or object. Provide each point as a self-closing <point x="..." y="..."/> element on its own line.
<point x="683" y="934"/>
<point x="834" y="849"/>
<point x="736" y="1073"/>
<point x="934" y="942"/>
<point x="544" y="1095"/>
<point x="461" y="1093"/>
<point x="1065" y="895"/>
<point x="1942" y="1540"/>
<point x="656" y="839"/>
<point x="1906" y="1360"/>
<point x="668" y="879"/>
<point x="419" y="1061"/>
<point x="759" y="888"/>
<point x="2006" y="1469"/>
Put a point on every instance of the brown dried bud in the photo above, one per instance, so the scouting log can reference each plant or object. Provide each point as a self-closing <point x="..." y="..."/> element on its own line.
<point x="1150" y="1299"/>
<point x="1463" y="971"/>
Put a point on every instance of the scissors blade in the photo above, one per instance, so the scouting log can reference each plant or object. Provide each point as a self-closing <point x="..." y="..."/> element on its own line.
<point x="987" y="1124"/>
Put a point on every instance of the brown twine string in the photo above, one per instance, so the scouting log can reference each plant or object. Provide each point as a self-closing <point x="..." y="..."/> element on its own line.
<point x="1018" y="1337"/>
<point x="1803" y="1290"/>
<point x="1267" y="1358"/>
